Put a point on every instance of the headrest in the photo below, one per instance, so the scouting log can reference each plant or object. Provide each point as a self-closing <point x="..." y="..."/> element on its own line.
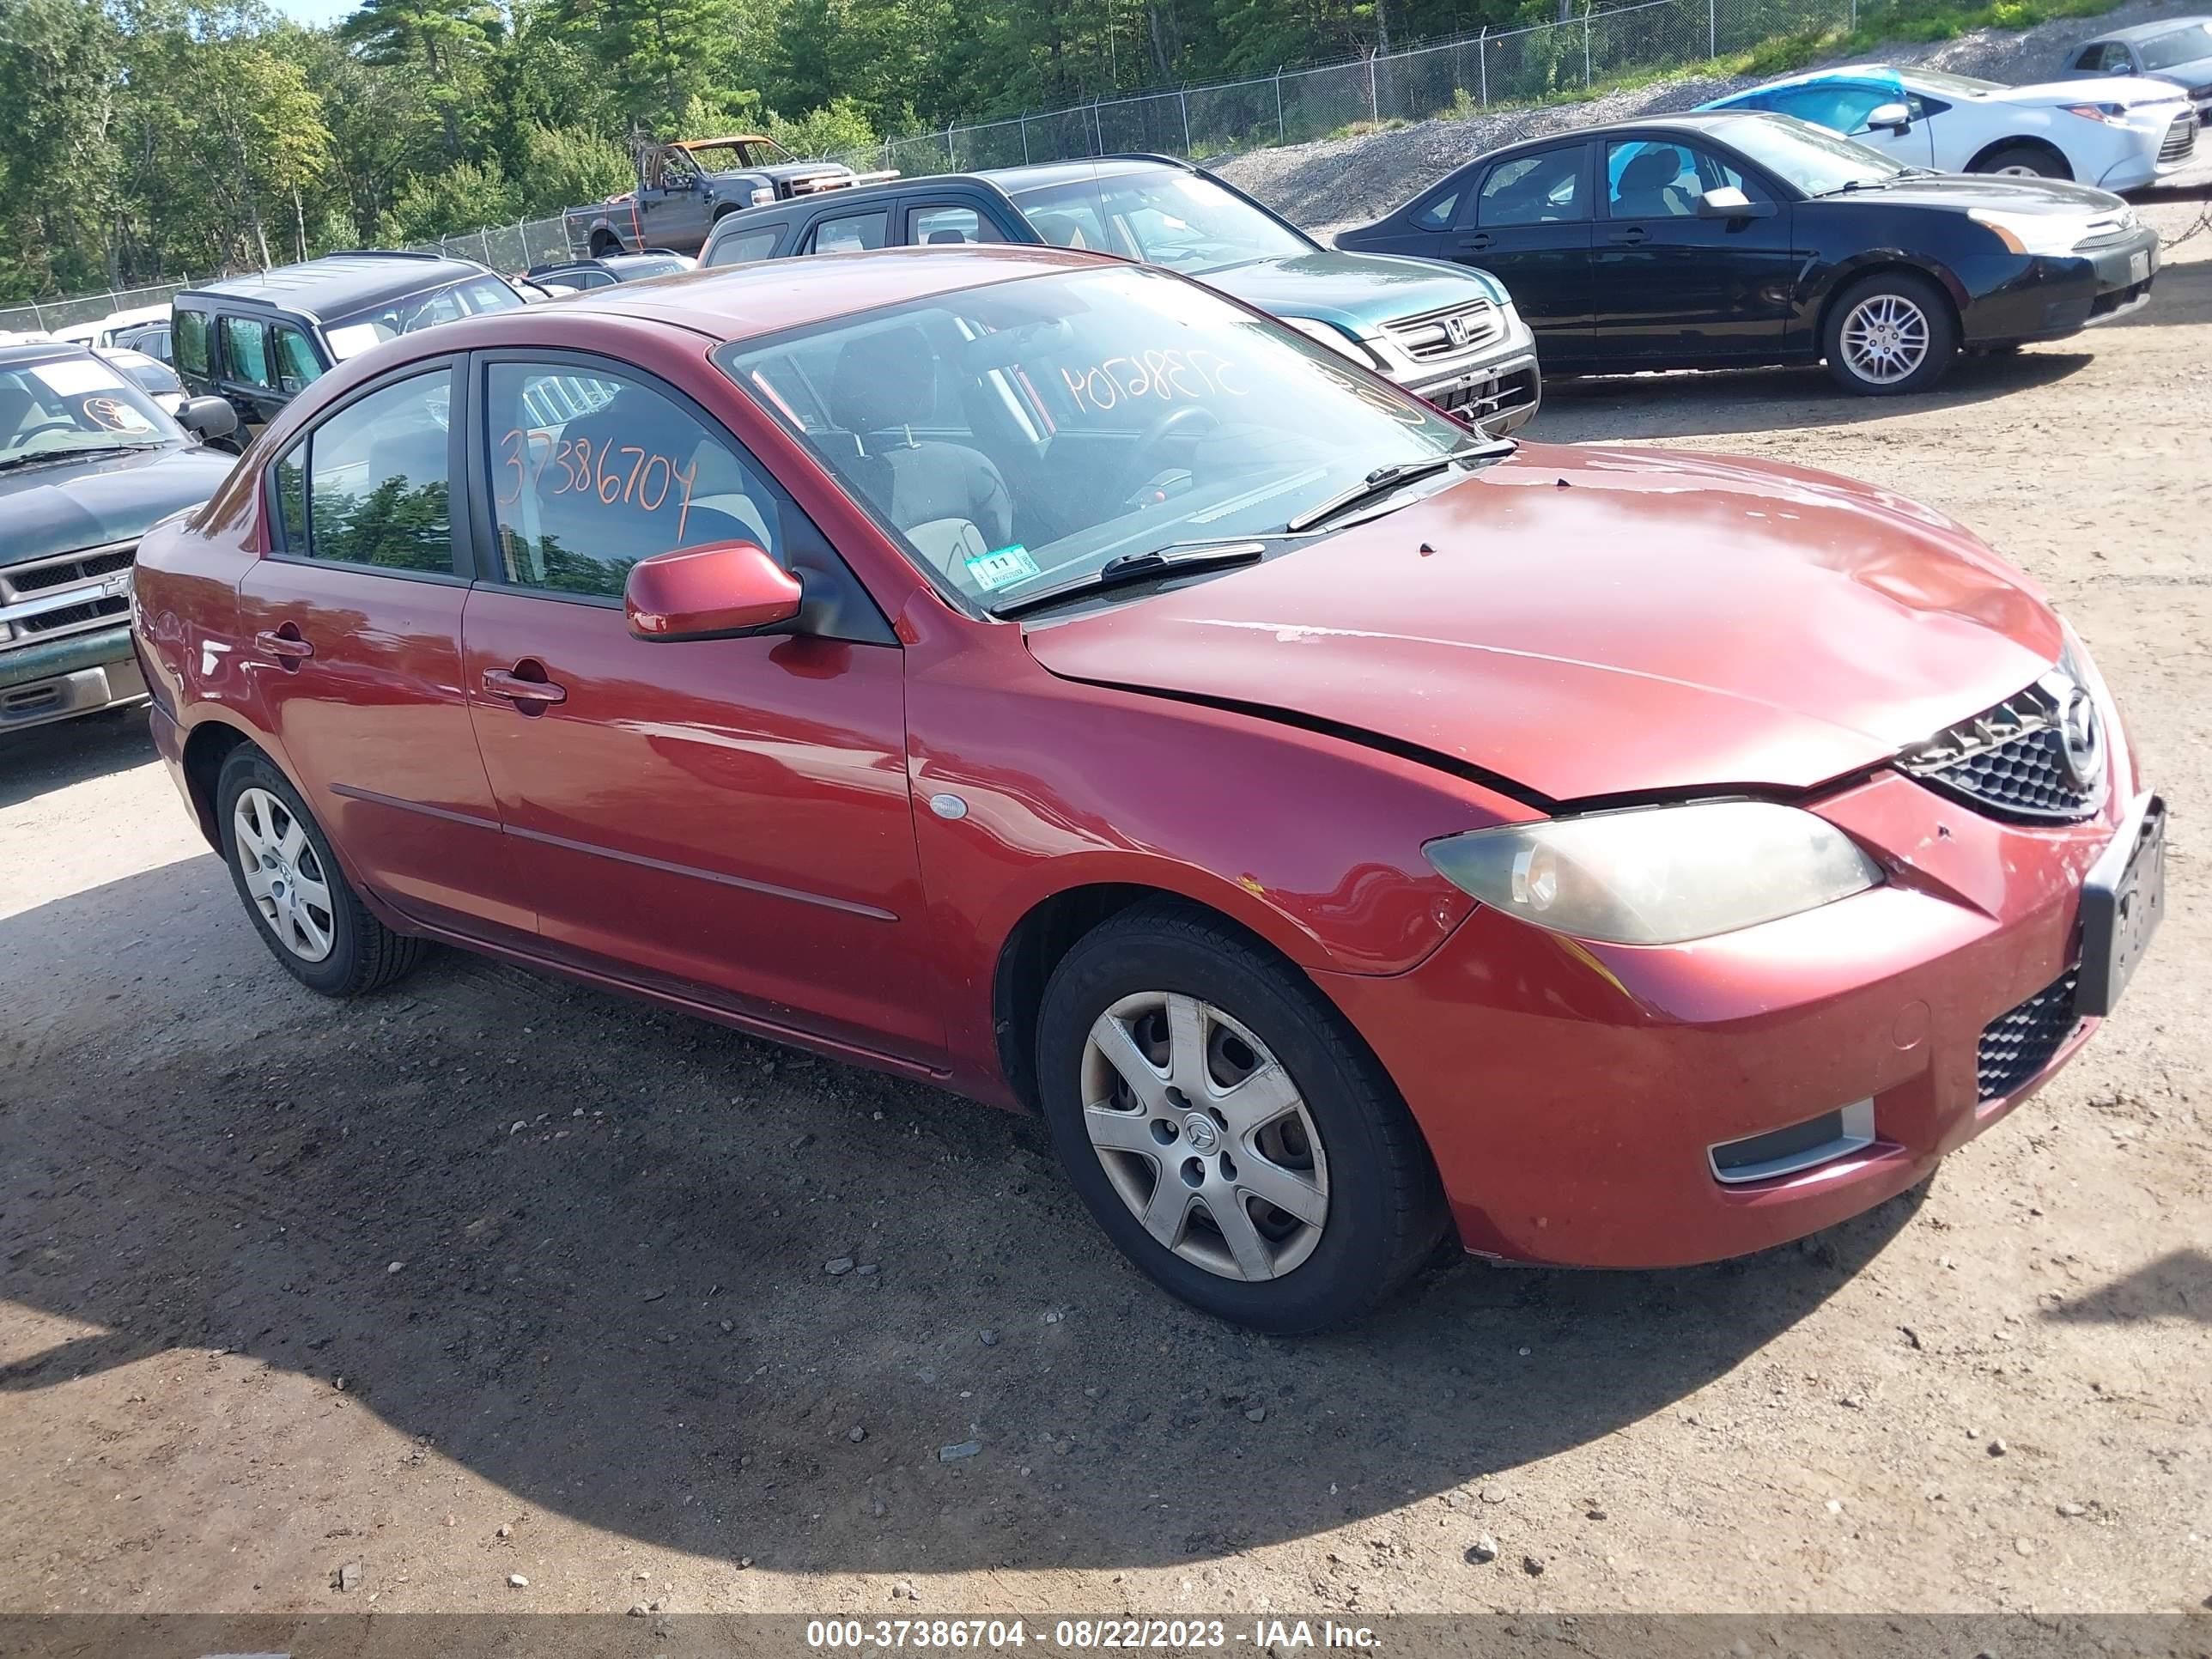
<point x="884" y="380"/>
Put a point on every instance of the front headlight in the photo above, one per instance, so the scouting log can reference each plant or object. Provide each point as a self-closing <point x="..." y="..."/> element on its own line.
<point x="1658" y="875"/>
<point x="2032" y="233"/>
<point x="1335" y="339"/>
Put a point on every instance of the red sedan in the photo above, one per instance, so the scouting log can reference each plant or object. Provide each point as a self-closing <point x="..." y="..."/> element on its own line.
<point x="1045" y="677"/>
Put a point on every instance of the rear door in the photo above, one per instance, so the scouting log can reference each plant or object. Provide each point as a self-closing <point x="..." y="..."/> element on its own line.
<point x="353" y="627"/>
<point x="247" y="373"/>
<point x="1529" y="223"/>
<point x="1670" y="288"/>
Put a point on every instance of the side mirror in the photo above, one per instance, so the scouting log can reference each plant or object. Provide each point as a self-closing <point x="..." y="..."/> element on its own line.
<point x="1898" y="117"/>
<point x="722" y="591"/>
<point x="208" y="418"/>
<point x="1727" y="201"/>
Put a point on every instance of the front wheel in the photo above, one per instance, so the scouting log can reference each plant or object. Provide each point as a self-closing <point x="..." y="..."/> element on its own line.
<point x="1889" y="334"/>
<point x="1226" y="1128"/>
<point x="2024" y="161"/>
<point x="281" y="865"/>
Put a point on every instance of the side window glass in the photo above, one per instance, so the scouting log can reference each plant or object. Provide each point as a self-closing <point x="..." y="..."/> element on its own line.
<point x="592" y="473"/>
<point x="850" y="233"/>
<point x="245" y="351"/>
<point x="378" y="479"/>
<point x="1437" y="213"/>
<point x="745" y="250"/>
<point x="191" y="341"/>
<point x="296" y="368"/>
<point x="1533" y="190"/>
<point x="291" y="482"/>
<point x="1656" y="180"/>
<point x="943" y="224"/>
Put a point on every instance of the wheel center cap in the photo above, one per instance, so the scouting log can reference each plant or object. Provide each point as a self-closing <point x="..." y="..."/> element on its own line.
<point x="1202" y="1131"/>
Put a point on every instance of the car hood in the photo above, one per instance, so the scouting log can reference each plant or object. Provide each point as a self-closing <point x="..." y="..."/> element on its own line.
<point x="2054" y="197"/>
<point x="1359" y="292"/>
<point x="783" y="172"/>
<point x="1583" y="623"/>
<point x="58" y="508"/>
<point x="2123" y="89"/>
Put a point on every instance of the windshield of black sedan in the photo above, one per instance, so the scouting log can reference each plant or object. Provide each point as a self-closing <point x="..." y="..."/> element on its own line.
<point x="1161" y="217"/>
<point x="75" y="405"/>
<point x="1816" y="161"/>
<point x="1021" y="435"/>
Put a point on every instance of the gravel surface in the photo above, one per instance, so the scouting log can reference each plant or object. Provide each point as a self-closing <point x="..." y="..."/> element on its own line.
<point x="1331" y="184"/>
<point x="619" y="1366"/>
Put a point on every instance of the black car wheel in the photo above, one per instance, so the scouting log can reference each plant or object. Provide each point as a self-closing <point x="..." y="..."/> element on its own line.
<point x="1226" y="1127"/>
<point x="281" y="865"/>
<point x="1889" y="334"/>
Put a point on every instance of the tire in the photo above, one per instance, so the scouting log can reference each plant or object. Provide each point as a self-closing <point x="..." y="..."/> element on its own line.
<point x="301" y="903"/>
<point x="1894" y="312"/>
<point x="2023" y="161"/>
<point x="1344" y="1150"/>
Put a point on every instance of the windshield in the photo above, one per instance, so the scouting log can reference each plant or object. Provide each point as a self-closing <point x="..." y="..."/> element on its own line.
<point x="1163" y="216"/>
<point x="348" y="336"/>
<point x="75" y="405"/>
<point x="1818" y="161"/>
<point x="1021" y="435"/>
<point x="1966" y="85"/>
<point x="2183" y="46"/>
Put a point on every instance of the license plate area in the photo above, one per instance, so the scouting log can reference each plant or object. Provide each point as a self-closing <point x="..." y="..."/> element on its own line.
<point x="2139" y="267"/>
<point x="2123" y="902"/>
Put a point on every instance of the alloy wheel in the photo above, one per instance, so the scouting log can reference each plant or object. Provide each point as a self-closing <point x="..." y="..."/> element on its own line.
<point x="1884" y="338"/>
<point x="1204" y="1135"/>
<point x="283" y="875"/>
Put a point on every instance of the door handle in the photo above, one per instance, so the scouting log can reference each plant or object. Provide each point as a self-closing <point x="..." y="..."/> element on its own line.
<point x="1630" y="237"/>
<point x="285" y="645"/>
<point x="1475" y="243"/>
<point x="531" y="694"/>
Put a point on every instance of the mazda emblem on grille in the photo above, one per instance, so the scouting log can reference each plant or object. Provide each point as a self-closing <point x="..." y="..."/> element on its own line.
<point x="2083" y="742"/>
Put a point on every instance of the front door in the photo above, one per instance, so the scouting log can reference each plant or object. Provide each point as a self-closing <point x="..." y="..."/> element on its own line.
<point x="673" y="212"/>
<point x="1672" y="287"/>
<point x="1528" y="225"/>
<point x="352" y="627"/>
<point x="727" y="819"/>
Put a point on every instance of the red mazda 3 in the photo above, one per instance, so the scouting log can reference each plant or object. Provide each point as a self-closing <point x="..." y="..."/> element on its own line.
<point x="1040" y="675"/>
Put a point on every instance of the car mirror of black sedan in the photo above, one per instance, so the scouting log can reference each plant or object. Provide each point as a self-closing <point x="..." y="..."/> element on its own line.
<point x="1727" y="201"/>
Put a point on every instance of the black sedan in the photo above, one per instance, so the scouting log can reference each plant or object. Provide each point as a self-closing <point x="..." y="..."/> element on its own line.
<point x="1737" y="238"/>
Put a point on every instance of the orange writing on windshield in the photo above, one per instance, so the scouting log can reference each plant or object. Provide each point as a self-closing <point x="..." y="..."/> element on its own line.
<point x="1166" y="375"/>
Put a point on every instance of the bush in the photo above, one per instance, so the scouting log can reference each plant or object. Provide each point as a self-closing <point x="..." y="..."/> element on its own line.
<point x="464" y="197"/>
<point x="832" y="130"/>
<point x="568" y="167"/>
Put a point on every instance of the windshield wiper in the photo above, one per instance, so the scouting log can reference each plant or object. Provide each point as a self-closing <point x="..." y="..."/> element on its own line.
<point x="1126" y="568"/>
<point x="1384" y="479"/>
<point x="45" y="457"/>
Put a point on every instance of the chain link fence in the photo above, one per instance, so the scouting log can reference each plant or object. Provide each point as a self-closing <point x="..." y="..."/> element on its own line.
<point x="1467" y="75"/>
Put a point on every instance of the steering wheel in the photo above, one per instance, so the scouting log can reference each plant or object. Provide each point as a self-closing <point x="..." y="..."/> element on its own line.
<point x="1184" y="420"/>
<point x="23" y="438"/>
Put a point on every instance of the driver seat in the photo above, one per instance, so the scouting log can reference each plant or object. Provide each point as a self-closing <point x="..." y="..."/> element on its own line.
<point x="883" y="384"/>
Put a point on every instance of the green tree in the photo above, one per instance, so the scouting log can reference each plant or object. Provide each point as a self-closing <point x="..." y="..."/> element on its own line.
<point x="449" y="39"/>
<point x="59" y="79"/>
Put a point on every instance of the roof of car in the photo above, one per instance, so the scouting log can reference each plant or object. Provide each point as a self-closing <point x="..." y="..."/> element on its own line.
<point x="1888" y="72"/>
<point x="338" y="283"/>
<point x="737" y="302"/>
<point x="40" y="351"/>
<point x="2151" y="31"/>
<point x="1044" y="174"/>
<point x="711" y="143"/>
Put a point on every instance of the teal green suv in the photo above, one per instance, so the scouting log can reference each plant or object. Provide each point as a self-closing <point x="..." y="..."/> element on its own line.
<point x="1448" y="334"/>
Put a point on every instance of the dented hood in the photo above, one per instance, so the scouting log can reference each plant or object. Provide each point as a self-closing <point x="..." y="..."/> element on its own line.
<point x="1593" y="622"/>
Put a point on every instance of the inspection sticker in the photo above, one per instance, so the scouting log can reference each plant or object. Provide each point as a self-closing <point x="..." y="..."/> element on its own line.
<point x="995" y="569"/>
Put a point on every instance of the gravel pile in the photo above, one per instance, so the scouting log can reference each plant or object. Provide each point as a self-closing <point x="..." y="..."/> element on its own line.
<point x="1335" y="183"/>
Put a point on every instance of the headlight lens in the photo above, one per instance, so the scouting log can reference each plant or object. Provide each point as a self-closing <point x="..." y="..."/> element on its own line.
<point x="1335" y="339"/>
<point x="2032" y="233"/>
<point x="1658" y="875"/>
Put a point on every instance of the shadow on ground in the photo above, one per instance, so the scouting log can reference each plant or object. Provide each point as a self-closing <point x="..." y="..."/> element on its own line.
<point x="1711" y="403"/>
<point x="625" y="1315"/>
<point x="49" y="758"/>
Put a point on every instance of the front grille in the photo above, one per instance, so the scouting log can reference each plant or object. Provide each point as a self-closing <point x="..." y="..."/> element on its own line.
<point x="1431" y="335"/>
<point x="2009" y="763"/>
<point x="2020" y="1042"/>
<point x="2180" y="139"/>
<point x="2108" y="232"/>
<point x="25" y="582"/>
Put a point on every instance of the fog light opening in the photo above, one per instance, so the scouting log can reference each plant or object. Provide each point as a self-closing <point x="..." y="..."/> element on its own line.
<point x="1793" y="1150"/>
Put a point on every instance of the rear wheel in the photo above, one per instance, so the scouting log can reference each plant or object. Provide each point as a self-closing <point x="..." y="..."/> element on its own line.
<point x="289" y="879"/>
<point x="1889" y="334"/>
<point x="1226" y="1128"/>
<point x="2025" y="162"/>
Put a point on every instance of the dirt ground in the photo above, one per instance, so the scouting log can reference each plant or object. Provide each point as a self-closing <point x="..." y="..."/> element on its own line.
<point x="493" y="1275"/>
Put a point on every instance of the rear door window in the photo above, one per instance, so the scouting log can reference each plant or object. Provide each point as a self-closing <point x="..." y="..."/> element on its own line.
<point x="849" y="232"/>
<point x="245" y="351"/>
<point x="934" y="224"/>
<point x="746" y="249"/>
<point x="1546" y="188"/>
<point x="371" y="484"/>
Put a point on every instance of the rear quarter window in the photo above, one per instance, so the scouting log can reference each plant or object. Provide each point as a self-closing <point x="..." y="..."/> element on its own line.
<point x="744" y="249"/>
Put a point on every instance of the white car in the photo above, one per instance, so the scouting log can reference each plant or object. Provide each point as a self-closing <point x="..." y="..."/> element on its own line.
<point x="2118" y="132"/>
